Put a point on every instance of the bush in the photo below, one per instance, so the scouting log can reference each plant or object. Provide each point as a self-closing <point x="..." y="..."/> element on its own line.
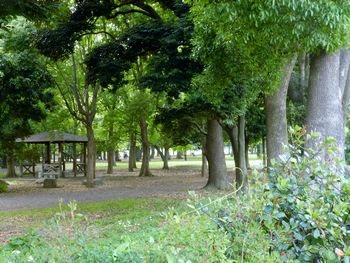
<point x="307" y="205"/>
<point x="3" y="186"/>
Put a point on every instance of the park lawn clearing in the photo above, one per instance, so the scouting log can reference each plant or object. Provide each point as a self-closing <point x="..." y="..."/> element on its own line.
<point x="101" y="213"/>
<point x="131" y="230"/>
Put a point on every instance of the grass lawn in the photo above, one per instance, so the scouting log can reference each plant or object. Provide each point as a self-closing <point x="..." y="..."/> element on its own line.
<point x="193" y="162"/>
<point x="131" y="230"/>
<point x="105" y="210"/>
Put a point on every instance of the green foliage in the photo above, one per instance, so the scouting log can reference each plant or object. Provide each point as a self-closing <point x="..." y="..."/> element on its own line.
<point x="307" y="205"/>
<point x="24" y="80"/>
<point x="236" y="216"/>
<point x="176" y="236"/>
<point x="3" y="186"/>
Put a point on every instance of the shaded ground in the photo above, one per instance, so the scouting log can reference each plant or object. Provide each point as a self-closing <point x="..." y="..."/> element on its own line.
<point x="26" y="194"/>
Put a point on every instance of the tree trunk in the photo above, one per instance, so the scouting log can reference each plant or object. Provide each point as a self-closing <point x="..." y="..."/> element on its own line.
<point x="324" y="110"/>
<point x="345" y="86"/>
<point x="258" y="151"/>
<point x="216" y="156"/>
<point x="163" y="156"/>
<point x="241" y="172"/>
<point x="132" y="152"/>
<point x="91" y="156"/>
<point x="138" y="154"/>
<point x="204" y="169"/>
<point x="264" y="151"/>
<point x="10" y="161"/>
<point x="167" y="153"/>
<point x="246" y="150"/>
<point x="232" y="132"/>
<point x="145" y="149"/>
<point x="110" y="160"/>
<point x="276" y="116"/>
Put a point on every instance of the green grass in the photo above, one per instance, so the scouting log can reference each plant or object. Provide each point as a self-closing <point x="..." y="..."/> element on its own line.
<point x="193" y="162"/>
<point x="105" y="211"/>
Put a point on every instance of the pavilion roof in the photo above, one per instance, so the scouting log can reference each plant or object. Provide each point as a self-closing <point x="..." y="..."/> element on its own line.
<point x="53" y="137"/>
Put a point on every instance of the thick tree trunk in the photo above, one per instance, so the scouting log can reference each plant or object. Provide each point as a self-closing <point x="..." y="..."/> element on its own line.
<point x="276" y="116"/>
<point x="91" y="156"/>
<point x="241" y="172"/>
<point x="324" y="110"/>
<point x="132" y="152"/>
<point x="164" y="157"/>
<point x="345" y="85"/>
<point x="144" y="171"/>
<point x="10" y="161"/>
<point x="204" y="169"/>
<point x="110" y="160"/>
<point x="216" y="157"/>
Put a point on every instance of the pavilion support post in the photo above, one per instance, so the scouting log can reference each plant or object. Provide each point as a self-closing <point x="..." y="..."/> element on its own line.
<point x="75" y="159"/>
<point x="48" y="153"/>
<point x="61" y="160"/>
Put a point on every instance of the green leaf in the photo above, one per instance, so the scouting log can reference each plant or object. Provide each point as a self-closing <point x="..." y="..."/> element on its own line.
<point x="316" y="233"/>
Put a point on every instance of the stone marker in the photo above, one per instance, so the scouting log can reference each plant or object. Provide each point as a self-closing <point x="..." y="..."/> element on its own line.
<point x="50" y="183"/>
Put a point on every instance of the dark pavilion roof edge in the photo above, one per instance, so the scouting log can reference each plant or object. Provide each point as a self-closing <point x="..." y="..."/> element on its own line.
<point x="53" y="137"/>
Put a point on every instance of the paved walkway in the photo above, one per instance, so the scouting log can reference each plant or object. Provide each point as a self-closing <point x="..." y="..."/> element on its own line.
<point x="28" y="195"/>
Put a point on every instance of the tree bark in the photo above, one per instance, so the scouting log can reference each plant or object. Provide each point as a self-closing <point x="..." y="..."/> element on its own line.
<point x="232" y="132"/>
<point x="91" y="156"/>
<point x="241" y="172"/>
<point x="167" y="153"/>
<point x="216" y="157"/>
<point x="138" y="154"/>
<point x="276" y="116"/>
<point x="204" y="169"/>
<point x="324" y="108"/>
<point x="132" y="152"/>
<point x="10" y="161"/>
<point x="144" y="171"/>
<point x="345" y="85"/>
<point x="164" y="157"/>
<point x="246" y="150"/>
<point x="264" y="151"/>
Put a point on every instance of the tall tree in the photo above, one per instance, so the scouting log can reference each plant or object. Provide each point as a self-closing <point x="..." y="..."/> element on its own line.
<point x="24" y="81"/>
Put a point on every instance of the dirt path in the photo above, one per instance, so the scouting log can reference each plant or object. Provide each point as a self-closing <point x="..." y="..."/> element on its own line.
<point x="29" y="195"/>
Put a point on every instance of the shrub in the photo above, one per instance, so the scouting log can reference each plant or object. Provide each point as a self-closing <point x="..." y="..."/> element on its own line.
<point x="3" y="186"/>
<point x="307" y="205"/>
